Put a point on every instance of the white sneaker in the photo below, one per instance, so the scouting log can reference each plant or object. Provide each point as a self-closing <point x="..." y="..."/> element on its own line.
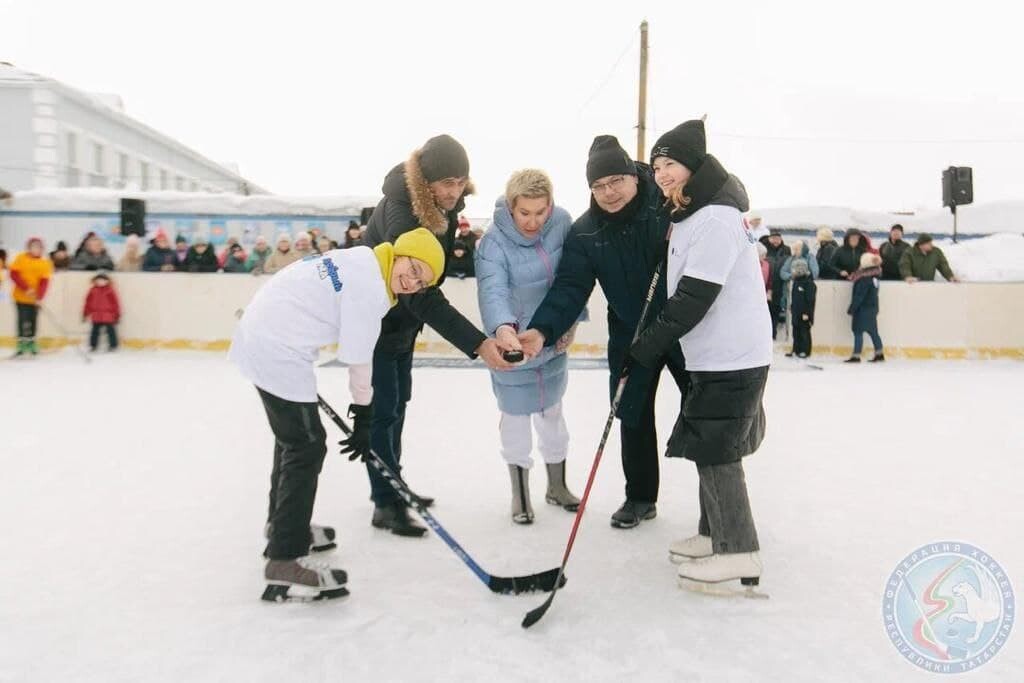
<point x="723" y="567"/>
<point x="690" y="548"/>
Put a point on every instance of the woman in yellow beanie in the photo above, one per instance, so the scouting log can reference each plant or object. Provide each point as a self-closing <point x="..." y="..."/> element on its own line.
<point x="338" y="298"/>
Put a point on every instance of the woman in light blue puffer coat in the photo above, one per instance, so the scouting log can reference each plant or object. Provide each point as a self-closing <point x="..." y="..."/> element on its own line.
<point x="515" y="263"/>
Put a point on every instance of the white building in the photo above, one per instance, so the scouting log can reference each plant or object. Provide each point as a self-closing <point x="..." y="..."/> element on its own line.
<point x="52" y="135"/>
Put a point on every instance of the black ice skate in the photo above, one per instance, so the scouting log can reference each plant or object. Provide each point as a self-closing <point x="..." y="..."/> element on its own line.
<point x="303" y="580"/>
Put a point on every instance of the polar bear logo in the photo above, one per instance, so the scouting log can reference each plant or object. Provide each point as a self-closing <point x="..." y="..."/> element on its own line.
<point x="979" y="609"/>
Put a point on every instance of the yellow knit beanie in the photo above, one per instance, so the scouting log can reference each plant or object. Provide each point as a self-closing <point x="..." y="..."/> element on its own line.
<point x="421" y="244"/>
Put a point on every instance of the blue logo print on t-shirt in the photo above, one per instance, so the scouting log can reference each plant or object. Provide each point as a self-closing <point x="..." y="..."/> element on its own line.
<point x="327" y="269"/>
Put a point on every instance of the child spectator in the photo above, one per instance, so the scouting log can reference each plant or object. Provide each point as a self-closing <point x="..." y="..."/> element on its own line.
<point x="323" y="244"/>
<point x="103" y="309"/>
<point x="766" y="270"/>
<point x="461" y="265"/>
<point x="802" y="296"/>
<point x="864" y="307"/>
<point x="31" y="273"/>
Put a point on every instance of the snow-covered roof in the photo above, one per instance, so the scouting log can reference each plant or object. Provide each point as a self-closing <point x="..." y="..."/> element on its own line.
<point x="95" y="199"/>
<point x="982" y="218"/>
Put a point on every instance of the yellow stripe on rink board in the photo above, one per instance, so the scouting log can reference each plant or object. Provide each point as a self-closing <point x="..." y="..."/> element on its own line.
<point x="578" y="350"/>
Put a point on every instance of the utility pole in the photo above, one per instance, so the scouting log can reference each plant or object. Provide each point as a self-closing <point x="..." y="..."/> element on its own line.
<point x="641" y="126"/>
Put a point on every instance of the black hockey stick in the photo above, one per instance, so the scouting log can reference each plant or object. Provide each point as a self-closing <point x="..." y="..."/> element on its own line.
<point x="535" y="615"/>
<point x="544" y="581"/>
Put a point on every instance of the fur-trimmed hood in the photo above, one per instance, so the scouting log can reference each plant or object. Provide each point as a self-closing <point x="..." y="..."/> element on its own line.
<point x="406" y="183"/>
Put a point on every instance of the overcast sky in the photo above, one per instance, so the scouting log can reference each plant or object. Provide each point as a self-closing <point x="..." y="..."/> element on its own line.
<point x="860" y="105"/>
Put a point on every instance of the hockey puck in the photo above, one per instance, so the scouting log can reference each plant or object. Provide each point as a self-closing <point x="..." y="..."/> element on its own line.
<point x="512" y="356"/>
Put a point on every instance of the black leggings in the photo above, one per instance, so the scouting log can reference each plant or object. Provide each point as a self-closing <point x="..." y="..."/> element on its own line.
<point x="27" y="316"/>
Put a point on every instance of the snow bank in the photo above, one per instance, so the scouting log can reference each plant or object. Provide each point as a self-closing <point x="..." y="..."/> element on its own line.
<point x="973" y="219"/>
<point x="997" y="258"/>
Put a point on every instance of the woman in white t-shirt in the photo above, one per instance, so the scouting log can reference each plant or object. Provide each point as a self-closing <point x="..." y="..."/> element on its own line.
<point x="335" y="298"/>
<point x="718" y="316"/>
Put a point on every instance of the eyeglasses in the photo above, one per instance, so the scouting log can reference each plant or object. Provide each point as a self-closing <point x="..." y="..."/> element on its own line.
<point x="615" y="184"/>
<point x="417" y="278"/>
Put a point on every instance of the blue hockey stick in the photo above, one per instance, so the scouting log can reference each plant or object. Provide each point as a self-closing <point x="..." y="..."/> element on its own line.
<point x="544" y="581"/>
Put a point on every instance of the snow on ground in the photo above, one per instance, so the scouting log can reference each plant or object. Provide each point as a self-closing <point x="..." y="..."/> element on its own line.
<point x="134" y="489"/>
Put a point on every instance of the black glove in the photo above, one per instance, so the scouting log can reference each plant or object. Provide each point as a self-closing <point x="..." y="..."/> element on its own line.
<point x="357" y="445"/>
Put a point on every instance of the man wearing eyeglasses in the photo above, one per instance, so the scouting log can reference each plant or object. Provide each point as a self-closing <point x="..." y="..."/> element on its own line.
<point x="429" y="190"/>
<point x="618" y="242"/>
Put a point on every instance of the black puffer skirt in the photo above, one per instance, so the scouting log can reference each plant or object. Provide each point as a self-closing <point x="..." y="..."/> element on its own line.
<point x="722" y="419"/>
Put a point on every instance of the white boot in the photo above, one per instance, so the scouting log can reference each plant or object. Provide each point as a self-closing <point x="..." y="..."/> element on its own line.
<point x="722" y="567"/>
<point x="690" y="548"/>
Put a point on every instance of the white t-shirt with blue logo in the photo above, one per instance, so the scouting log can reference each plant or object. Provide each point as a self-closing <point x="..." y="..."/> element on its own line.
<point x="334" y="298"/>
<point x="714" y="245"/>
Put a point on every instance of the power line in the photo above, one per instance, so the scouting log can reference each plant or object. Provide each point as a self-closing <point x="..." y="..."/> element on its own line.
<point x="608" y="76"/>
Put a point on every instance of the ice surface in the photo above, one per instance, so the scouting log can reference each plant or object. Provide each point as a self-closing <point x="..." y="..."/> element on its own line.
<point x="133" y="494"/>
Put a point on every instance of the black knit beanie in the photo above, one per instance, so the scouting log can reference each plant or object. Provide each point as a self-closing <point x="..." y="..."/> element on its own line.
<point x="443" y="157"/>
<point x="608" y="158"/>
<point x="685" y="143"/>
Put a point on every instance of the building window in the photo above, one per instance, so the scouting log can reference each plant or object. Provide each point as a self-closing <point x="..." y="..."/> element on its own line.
<point x="98" y="158"/>
<point x="194" y="186"/>
<point x="72" y="179"/>
<point x="163" y="179"/>
<point x="179" y="183"/>
<point x="122" y="167"/>
<point x="72" y="149"/>
<point x="143" y="175"/>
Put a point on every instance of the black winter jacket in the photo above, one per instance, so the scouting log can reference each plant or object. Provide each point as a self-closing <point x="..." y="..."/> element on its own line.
<point x="407" y="204"/>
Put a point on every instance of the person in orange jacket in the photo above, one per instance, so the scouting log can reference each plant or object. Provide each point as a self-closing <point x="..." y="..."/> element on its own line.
<point x="31" y="273"/>
<point x="103" y="308"/>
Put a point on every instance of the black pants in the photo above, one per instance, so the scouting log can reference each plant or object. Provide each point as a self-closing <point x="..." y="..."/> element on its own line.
<point x="802" y="337"/>
<point x="392" y="389"/>
<point x="776" y="313"/>
<point x="94" y="336"/>
<point x="640" y="442"/>
<point x="300" y="444"/>
<point x="27" y="316"/>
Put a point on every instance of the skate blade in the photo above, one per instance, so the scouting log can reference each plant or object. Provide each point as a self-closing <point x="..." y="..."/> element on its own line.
<point x="322" y="548"/>
<point x="569" y="507"/>
<point x="292" y="593"/>
<point x="723" y="589"/>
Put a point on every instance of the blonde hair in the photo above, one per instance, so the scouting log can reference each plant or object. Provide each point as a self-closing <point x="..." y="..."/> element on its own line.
<point x="797" y="249"/>
<point x="677" y="199"/>
<point x="529" y="183"/>
<point x="825" y="234"/>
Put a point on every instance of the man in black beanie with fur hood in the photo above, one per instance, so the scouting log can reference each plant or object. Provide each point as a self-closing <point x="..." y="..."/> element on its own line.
<point x="618" y="242"/>
<point x="428" y="190"/>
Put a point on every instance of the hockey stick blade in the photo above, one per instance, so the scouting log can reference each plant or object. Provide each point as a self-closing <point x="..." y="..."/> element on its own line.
<point x="515" y="585"/>
<point x="535" y="615"/>
<point x="544" y="581"/>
